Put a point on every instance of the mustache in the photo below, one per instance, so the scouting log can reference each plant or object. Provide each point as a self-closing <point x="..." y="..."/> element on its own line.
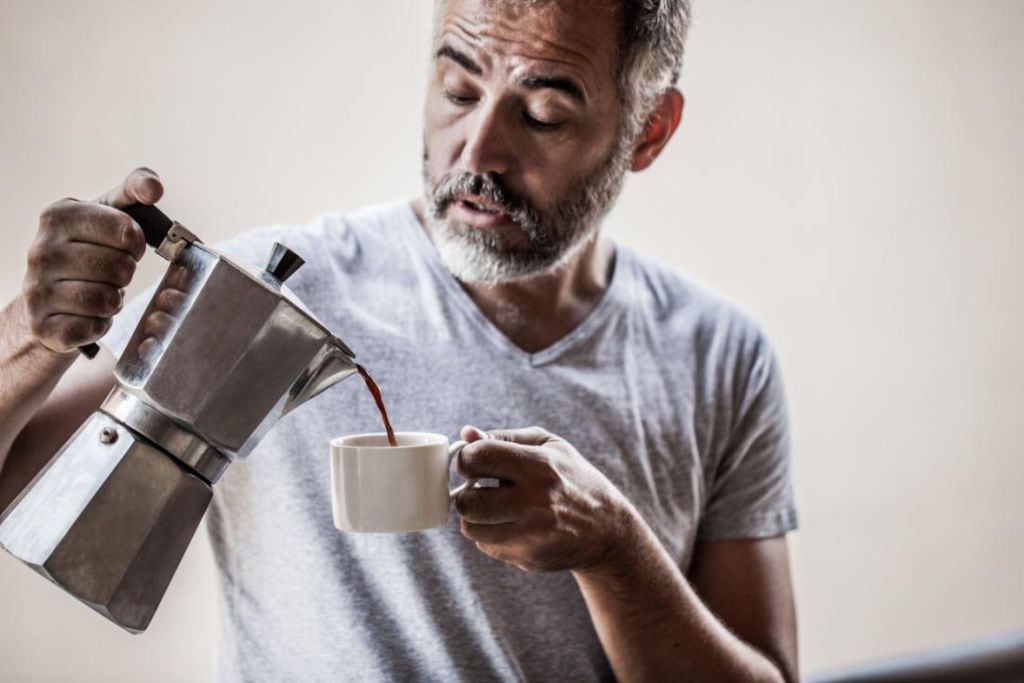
<point x="451" y="186"/>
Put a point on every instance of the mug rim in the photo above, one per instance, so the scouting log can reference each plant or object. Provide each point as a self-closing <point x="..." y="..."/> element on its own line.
<point x="342" y="442"/>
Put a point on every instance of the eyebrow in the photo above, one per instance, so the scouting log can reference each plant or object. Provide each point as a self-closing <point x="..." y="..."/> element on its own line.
<point x="460" y="58"/>
<point x="559" y="83"/>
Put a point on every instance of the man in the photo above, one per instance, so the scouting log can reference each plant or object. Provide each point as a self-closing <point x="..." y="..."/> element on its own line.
<point x="640" y="534"/>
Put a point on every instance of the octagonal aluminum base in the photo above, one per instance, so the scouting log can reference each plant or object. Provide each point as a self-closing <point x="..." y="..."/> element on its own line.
<point x="108" y="520"/>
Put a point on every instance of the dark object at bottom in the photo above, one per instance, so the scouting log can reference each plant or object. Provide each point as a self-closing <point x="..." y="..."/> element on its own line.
<point x="992" y="660"/>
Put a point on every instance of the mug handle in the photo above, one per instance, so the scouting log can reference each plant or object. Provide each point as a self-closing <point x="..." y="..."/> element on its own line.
<point x="453" y="452"/>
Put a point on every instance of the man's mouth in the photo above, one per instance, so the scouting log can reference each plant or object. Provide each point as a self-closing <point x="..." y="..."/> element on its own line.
<point x="476" y="203"/>
<point x="477" y="207"/>
<point x="475" y="211"/>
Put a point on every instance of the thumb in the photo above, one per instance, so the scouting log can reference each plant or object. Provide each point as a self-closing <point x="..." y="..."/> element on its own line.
<point x="529" y="436"/>
<point x="142" y="186"/>
<point x="471" y="434"/>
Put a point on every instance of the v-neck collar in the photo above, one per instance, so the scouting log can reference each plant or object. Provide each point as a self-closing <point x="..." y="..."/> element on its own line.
<point x="597" y="316"/>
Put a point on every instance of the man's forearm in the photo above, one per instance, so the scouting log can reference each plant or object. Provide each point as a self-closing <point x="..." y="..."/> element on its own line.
<point x="28" y="374"/>
<point x="652" y="625"/>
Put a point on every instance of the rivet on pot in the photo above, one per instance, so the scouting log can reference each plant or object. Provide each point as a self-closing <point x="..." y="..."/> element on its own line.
<point x="108" y="435"/>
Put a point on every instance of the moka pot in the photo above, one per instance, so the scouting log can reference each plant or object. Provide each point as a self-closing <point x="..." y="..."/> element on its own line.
<point x="221" y="352"/>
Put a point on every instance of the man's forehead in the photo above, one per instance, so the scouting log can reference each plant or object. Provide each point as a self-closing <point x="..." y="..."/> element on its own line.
<point x="579" y="34"/>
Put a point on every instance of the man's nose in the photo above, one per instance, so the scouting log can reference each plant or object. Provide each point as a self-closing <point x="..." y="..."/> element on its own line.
<point x="489" y="143"/>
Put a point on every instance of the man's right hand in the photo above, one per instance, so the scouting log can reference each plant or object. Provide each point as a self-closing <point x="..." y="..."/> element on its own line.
<point x="83" y="257"/>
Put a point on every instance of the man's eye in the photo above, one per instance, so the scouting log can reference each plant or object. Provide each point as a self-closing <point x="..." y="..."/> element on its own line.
<point x="537" y="124"/>
<point x="455" y="98"/>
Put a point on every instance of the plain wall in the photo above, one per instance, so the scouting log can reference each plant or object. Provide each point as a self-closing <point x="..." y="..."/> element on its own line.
<point x="851" y="172"/>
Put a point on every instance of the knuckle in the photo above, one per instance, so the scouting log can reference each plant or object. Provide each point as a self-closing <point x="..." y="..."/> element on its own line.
<point x="37" y="294"/>
<point x="122" y="270"/>
<point x="125" y="231"/>
<point x="547" y="475"/>
<point x="131" y="236"/>
<point x="55" y="214"/>
<point x="105" y="301"/>
<point x="42" y="257"/>
<point x="536" y="430"/>
<point x="116" y="300"/>
<point x="127" y="271"/>
<point x="46" y="216"/>
<point x="101" y="327"/>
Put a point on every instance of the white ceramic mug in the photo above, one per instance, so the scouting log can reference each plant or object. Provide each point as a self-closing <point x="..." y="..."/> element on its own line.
<point x="383" y="488"/>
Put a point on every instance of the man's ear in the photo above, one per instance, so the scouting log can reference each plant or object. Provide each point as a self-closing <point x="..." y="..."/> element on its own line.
<point x="661" y="124"/>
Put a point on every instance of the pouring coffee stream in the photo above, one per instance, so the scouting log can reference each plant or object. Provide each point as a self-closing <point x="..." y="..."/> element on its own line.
<point x="379" y="399"/>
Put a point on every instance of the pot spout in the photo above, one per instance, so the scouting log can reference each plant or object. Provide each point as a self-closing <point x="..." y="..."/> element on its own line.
<point x="333" y="363"/>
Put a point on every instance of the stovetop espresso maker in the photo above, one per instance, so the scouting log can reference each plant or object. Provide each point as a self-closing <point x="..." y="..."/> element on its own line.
<point x="222" y="351"/>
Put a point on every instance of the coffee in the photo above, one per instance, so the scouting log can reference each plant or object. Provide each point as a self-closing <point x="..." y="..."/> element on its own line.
<point x="375" y="391"/>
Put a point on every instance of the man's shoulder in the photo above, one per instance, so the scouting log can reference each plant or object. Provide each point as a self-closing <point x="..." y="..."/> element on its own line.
<point x="337" y="237"/>
<point x="680" y="304"/>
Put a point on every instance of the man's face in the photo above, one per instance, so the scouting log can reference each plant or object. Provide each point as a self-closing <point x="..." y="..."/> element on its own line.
<point x="522" y="148"/>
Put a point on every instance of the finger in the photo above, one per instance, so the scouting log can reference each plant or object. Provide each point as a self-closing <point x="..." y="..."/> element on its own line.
<point x="70" y="220"/>
<point x="170" y="300"/>
<point x="91" y="299"/>
<point x="142" y="186"/>
<point x="71" y="331"/>
<point x="491" y="534"/>
<point x="496" y="460"/>
<point x="490" y="505"/>
<point x="530" y="436"/>
<point x="156" y="324"/>
<point x="471" y="434"/>
<point x="91" y="263"/>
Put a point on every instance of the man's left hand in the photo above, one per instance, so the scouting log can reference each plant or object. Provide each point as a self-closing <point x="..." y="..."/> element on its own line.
<point x="553" y="510"/>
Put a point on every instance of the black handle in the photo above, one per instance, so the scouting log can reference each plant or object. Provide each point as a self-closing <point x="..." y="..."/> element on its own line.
<point x="154" y="222"/>
<point x="155" y="225"/>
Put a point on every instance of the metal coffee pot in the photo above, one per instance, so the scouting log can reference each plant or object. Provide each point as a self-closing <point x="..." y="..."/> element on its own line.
<point x="222" y="351"/>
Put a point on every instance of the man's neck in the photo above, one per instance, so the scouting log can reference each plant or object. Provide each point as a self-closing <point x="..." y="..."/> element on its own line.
<point x="536" y="312"/>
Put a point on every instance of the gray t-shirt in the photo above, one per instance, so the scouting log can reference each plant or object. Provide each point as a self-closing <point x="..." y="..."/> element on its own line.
<point x="669" y="391"/>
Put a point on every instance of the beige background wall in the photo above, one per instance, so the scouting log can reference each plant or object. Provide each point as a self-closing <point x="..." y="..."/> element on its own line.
<point x="850" y="171"/>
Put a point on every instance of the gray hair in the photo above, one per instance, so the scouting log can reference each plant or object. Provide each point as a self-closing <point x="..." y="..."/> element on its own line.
<point x="651" y="55"/>
<point x="651" y="41"/>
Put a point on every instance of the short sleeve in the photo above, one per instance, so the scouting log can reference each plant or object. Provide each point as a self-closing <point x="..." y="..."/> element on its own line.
<point x="752" y="491"/>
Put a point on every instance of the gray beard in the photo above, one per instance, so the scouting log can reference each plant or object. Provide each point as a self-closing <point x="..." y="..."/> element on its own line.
<point x="553" y="237"/>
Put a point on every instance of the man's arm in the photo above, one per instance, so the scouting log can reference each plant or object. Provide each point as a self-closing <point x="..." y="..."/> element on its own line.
<point x="555" y="511"/>
<point x="747" y="584"/>
<point x="654" y="626"/>
<point x="44" y="398"/>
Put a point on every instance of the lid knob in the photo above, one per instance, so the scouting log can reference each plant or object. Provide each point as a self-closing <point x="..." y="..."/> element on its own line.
<point x="283" y="262"/>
